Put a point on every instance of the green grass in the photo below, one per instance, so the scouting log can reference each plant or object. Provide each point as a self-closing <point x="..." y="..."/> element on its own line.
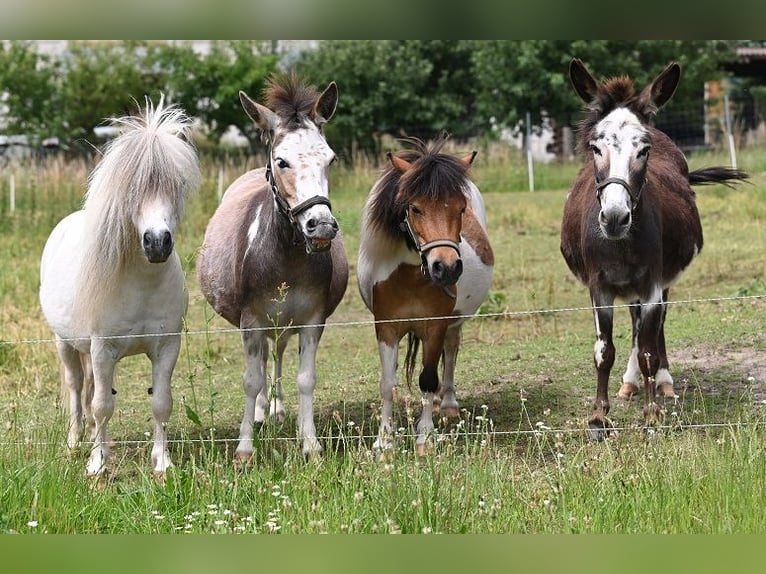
<point x="497" y="470"/>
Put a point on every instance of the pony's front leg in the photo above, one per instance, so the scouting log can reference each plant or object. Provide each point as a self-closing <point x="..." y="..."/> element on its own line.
<point x="429" y="385"/>
<point x="308" y="342"/>
<point x="163" y="363"/>
<point x="104" y="359"/>
<point x="449" y="406"/>
<point x="389" y="353"/>
<point x="648" y="355"/>
<point x="603" y="357"/>
<point x="73" y="381"/>
<point x="253" y="381"/>
<point x="664" y="381"/>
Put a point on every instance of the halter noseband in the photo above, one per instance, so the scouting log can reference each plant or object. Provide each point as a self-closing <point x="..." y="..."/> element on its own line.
<point x="291" y="213"/>
<point x="634" y="196"/>
<point x="424" y="248"/>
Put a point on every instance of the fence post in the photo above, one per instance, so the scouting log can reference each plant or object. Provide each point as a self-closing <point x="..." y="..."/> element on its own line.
<point x="729" y="134"/>
<point x="530" y="167"/>
<point x="12" y="193"/>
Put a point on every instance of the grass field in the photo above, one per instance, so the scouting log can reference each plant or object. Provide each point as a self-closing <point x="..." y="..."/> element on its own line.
<point x="516" y="461"/>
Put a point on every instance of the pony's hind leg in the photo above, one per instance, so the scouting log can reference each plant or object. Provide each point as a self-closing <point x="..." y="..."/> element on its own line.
<point x="262" y="400"/>
<point x="448" y="405"/>
<point x="631" y="379"/>
<point x="163" y="364"/>
<point x="275" y="395"/>
<point x="72" y="382"/>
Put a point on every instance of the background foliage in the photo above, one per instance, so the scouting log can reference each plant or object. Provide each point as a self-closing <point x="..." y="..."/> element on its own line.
<point x="387" y="87"/>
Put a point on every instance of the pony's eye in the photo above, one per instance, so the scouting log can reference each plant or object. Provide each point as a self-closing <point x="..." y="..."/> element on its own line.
<point x="643" y="152"/>
<point x="333" y="160"/>
<point x="595" y="150"/>
<point x="282" y="164"/>
<point x="416" y="210"/>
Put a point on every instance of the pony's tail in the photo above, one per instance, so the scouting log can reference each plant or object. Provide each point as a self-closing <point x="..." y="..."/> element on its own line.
<point x="728" y="176"/>
<point x="413" y="344"/>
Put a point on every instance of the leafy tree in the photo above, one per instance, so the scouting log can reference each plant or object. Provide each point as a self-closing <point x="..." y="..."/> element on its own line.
<point x="516" y="77"/>
<point x="26" y="80"/>
<point x="394" y="87"/>
<point x="207" y="86"/>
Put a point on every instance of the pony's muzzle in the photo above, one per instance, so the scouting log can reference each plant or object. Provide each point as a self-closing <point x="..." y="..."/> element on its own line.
<point x="319" y="232"/>
<point x="157" y="246"/>
<point x="614" y="222"/>
<point x="444" y="272"/>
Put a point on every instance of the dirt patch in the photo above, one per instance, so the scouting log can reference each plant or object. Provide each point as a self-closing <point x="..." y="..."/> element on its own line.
<point x="717" y="370"/>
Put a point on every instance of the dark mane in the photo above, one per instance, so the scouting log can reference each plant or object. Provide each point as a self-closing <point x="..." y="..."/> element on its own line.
<point x="434" y="176"/>
<point x="613" y="93"/>
<point x="291" y="98"/>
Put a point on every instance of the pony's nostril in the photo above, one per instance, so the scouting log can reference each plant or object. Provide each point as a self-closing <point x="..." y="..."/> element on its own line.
<point x="147" y="239"/>
<point x="437" y="269"/>
<point x="625" y="220"/>
<point x="167" y="240"/>
<point x="334" y="224"/>
<point x="311" y="224"/>
<point x="458" y="267"/>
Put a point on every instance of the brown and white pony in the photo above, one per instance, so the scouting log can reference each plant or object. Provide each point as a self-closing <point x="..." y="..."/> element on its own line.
<point x="275" y="228"/>
<point x="424" y="253"/>
<point x="631" y="226"/>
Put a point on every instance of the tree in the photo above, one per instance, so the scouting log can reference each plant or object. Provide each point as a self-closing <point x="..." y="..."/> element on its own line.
<point x="394" y="87"/>
<point x="26" y="78"/>
<point x="207" y="86"/>
<point x="516" y="77"/>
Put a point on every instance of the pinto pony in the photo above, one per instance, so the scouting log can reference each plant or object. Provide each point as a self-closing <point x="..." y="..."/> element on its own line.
<point x="275" y="228"/>
<point x="631" y="227"/>
<point x="111" y="283"/>
<point x="425" y="263"/>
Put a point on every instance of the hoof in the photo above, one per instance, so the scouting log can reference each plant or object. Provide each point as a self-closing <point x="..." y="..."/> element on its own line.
<point x="450" y="412"/>
<point x="627" y="390"/>
<point x="242" y="460"/>
<point x="666" y="390"/>
<point x="653" y="415"/>
<point x="598" y="429"/>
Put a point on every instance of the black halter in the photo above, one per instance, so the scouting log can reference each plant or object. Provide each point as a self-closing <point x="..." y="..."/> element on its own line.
<point x="424" y="248"/>
<point x="635" y="196"/>
<point x="291" y="213"/>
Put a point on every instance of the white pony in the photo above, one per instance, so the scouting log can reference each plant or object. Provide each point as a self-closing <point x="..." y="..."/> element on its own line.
<point x="111" y="284"/>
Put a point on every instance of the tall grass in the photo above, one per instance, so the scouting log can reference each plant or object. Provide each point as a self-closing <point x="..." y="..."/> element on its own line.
<point x="516" y="461"/>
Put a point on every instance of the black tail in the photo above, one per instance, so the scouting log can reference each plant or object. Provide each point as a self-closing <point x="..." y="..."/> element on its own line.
<point x="413" y="344"/>
<point x="728" y="176"/>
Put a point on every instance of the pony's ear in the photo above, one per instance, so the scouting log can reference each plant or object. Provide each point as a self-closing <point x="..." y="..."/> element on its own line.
<point x="583" y="82"/>
<point x="264" y="118"/>
<point x="662" y="88"/>
<point x="326" y="104"/>
<point x="400" y="165"/>
<point x="467" y="160"/>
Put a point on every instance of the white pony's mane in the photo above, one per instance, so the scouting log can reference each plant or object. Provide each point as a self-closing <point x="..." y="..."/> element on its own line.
<point x="150" y="158"/>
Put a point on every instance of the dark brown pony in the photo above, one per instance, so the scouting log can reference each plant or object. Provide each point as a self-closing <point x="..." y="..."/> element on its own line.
<point x="631" y="226"/>
<point x="424" y="253"/>
<point x="272" y="262"/>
